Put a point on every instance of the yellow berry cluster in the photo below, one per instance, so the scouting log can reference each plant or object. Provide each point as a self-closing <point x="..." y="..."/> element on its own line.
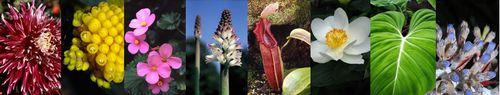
<point x="97" y="45"/>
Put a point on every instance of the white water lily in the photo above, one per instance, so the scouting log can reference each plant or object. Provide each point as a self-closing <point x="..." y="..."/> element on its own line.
<point x="336" y="38"/>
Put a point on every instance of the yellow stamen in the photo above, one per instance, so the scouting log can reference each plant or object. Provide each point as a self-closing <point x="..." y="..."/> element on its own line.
<point x="136" y="42"/>
<point x="159" y="83"/>
<point x="336" y="38"/>
<point x="154" y="68"/>
<point x="144" y="24"/>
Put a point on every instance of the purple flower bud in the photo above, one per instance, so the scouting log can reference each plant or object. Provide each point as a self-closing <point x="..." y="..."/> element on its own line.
<point x="492" y="74"/>
<point x="446" y="63"/>
<point x="484" y="58"/>
<point x="468" y="92"/>
<point x="490" y="48"/>
<point x="454" y="77"/>
<point x="468" y="46"/>
<point x="465" y="71"/>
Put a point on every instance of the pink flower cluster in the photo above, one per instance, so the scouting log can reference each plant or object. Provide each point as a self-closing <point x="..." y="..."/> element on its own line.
<point x="158" y="68"/>
<point x="159" y="63"/>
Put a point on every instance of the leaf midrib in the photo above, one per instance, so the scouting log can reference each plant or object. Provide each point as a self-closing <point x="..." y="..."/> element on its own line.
<point x="401" y="47"/>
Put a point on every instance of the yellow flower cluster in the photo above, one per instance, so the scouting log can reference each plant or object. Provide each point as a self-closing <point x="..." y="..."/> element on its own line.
<point x="97" y="45"/>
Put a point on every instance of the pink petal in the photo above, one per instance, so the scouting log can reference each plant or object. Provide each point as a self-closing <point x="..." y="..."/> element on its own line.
<point x="155" y="89"/>
<point x="143" y="13"/>
<point x="150" y="20"/>
<point x="152" y="77"/>
<point x="166" y="50"/>
<point x="132" y="48"/>
<point x="174" y="62"/>
<point x="164" y="70"/>
<point x="165" y="85"/>
<point x="135" y="23"/>
<point x="144" y="47"/>
<point x="152" y="53"/>
<point x="141" y="37"/>
<point x="139" y="31"/>
<point x="129" y="37"/>
<point x="154" y="60"/>
<point x="142" y="69"/>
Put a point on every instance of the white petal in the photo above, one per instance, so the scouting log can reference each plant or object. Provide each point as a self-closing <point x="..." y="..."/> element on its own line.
<point x="339" y="20"/>
<point x="359" y="30"/>
<point x="353" y="59"/>
<point x="358" y="49"/>
<point x="334" y="54"/>
<point x="316" y="49"/>
<point x="337" y="53"/>
<point x="319" y="29"/>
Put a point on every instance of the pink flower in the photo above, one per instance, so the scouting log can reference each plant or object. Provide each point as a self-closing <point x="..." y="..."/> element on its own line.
<point x="143" y="20"/>
<point x="161" y="85"/>
<point x="164" y="56"/>
<point x="136" y="43"/>
<point x="153" y="71"/>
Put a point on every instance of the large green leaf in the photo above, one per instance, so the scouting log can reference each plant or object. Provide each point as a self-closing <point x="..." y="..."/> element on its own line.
<point x="298" y="82"/>
<point x="402" y="60"/>
<point x="433" y="3"/>
<point x="390" y="4"/>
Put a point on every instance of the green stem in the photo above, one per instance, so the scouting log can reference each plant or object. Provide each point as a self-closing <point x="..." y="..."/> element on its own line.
<point x="180" y="31"/>
<point x="197" y="71"/>
<point x="225" y="79"/>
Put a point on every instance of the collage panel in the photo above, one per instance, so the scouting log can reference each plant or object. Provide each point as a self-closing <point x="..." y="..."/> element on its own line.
<point x="92" y="47"/>
<point x="30" y="47"/>
<point x="218" y="44"/>
<point x="252" y="47"/>
<point x="279" y="41"/>
<point x="403" y="43"/>
<point x="340" y="48"/>
<point x="467" y="47"/>
<point x="155" y="47"/>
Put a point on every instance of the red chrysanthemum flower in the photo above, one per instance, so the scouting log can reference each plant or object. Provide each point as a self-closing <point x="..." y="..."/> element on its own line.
<point x="30" y="50"/>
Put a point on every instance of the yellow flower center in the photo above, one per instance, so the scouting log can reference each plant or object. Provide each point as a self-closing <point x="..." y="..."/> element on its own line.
<point x="159" y="83"/>
<point x="336" y="38"/>
<point x="143" y="24"/>
<point x="136" y="42"/>
<point x="154" y="68"/>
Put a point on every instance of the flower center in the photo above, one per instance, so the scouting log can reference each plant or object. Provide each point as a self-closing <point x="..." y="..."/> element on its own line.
<point x="336" y="38"/>
<point x="144" y="24"/>
<point x="136" y="42"/>
<point x="164" y="59"/>
<point x="159" y="83"/>
<point x="43" y="42"/>
<point x="154" y="68"/>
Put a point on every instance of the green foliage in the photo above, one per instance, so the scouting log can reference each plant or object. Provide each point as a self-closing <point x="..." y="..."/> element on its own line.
<point x="336" y="73"/>
<point x="433" y="3"/>
<point x="392" y="5"/>
<point x="403" y="60"/>
<point x="169" y="21"/>
<point x="297" y="82"/>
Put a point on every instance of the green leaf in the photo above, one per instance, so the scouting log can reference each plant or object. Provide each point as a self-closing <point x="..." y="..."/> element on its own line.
<point x="433" y="3"/>
<point x="298" y="82"/>
<point x="419" y="1"/>
<point x="390" y="4"/>
<point x="402" y="65"/>
<point x="169" y="21"/>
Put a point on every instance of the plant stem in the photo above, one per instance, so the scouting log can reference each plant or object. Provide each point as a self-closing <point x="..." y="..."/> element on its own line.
<point x="225" y="80"/>
<point x="197" y="70"/>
